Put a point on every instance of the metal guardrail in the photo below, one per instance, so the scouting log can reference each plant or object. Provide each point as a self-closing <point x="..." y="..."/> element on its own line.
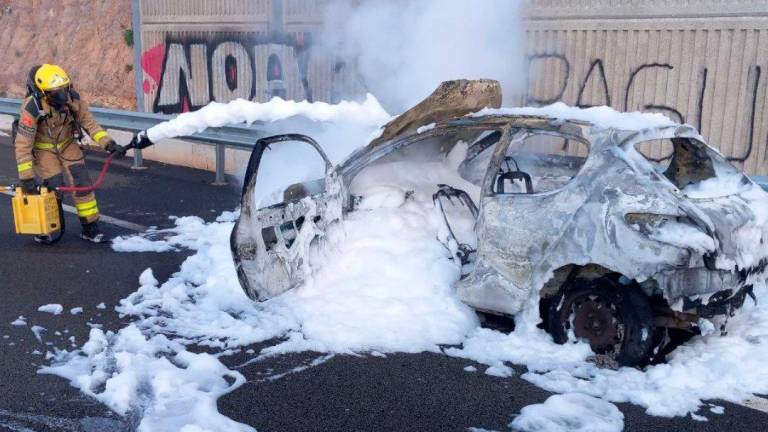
<point x="236" y="136"/>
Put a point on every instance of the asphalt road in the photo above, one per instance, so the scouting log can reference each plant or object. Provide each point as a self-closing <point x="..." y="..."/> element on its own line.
<point x="404" y="392"/>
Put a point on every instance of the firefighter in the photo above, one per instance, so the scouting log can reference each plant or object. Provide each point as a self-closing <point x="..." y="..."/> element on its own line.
<point x="53" y="118"/>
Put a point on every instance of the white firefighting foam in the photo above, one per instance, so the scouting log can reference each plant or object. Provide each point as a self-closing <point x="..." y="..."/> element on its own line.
<point x="570" y="412"/>
<point x="218" y="114"/>
<point x="384" y="285"/>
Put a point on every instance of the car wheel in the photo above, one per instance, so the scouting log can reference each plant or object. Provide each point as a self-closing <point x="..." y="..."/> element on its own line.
<point x="616" y="320"/>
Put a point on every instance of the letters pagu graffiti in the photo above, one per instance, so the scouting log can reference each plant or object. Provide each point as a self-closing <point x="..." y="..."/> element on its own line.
<point x="185" y="74"/>
<point x="540" y="93"/>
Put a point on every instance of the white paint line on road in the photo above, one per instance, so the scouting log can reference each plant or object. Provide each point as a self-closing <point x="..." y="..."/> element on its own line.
<point x="755" y="403"/>
<point x="104" y="218"/>
<point x="110" y="220"/>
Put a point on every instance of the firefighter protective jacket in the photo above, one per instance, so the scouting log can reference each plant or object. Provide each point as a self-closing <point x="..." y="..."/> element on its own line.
<point x="42" y="128"/>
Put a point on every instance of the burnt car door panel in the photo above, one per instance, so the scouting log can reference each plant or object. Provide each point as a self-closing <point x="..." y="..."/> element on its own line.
<point x="528" y="199"/>
<point x="271" y="240"/>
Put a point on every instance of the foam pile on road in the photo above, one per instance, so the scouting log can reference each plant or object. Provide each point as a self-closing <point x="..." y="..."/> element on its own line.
<point x="570" y="412"/>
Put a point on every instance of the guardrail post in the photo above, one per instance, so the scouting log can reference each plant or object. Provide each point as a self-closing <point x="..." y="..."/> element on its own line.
<point x="138" y="160"/>
<point x="221" y="178"/>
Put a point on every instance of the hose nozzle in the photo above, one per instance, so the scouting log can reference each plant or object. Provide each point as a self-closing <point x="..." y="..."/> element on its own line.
<point x="139" y="141"/>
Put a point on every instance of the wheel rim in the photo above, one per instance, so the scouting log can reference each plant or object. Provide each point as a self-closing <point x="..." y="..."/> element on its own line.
<point x="596" y="319"/>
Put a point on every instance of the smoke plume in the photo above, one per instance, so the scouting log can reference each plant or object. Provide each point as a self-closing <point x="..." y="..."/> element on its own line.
<point x="404" y="48"/>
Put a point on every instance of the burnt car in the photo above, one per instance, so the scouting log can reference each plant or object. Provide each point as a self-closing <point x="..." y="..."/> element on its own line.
<point x="617" y="234"/>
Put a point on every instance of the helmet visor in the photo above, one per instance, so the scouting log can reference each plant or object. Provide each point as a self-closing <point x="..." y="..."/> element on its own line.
<point x="58" y="97"/>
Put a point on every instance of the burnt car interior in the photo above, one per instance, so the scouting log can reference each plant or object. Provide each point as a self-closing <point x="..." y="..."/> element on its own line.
<point x="539" y="162"/>
<point x="684" y="161"/>
<point x="423" y="164"/>
<point x="447" y="166"/>
<point x="451" y="166"/>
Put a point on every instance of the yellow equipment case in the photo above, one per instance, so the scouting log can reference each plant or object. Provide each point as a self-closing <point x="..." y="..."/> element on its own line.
<point x="36" y="214"/>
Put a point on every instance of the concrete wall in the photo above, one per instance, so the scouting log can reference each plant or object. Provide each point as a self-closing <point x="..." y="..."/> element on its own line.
<point x="197" y="51"/>
<point x="703" y="62"/>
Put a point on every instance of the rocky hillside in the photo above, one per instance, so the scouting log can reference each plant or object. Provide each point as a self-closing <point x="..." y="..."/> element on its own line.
<point x="86" y="37"/>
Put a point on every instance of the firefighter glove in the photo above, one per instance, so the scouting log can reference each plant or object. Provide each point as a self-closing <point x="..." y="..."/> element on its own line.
<point x="30" y="186"/>
<point x="115" y="149"/>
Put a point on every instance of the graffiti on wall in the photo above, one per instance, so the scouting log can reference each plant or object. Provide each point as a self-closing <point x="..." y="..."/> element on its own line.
<point x="185" y="74"/>
<point x="596" y="75"/>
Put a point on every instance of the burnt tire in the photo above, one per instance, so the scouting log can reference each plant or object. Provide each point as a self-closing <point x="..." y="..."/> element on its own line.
<point x="616" y="320"/>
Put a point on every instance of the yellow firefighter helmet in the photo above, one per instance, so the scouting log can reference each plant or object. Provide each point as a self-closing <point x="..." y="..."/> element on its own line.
<point x="51" y="77"/>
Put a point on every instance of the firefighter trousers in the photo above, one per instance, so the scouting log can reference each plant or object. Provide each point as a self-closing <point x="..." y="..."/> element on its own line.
<point x="65" y="164"/>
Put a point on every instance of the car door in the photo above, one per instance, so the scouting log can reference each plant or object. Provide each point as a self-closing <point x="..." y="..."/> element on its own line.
<point x="528" y="198"/>
<point x="285" y="208"/>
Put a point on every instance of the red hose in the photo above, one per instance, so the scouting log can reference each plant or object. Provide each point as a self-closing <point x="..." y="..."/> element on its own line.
<point x="92" y="187"/>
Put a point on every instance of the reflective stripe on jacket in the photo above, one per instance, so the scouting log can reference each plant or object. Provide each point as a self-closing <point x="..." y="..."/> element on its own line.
<point x="46" y="129"/>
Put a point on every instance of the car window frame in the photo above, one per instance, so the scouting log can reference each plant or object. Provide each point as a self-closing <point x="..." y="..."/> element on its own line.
<point x="509" y="139"/>
<point x="355" y="164"/>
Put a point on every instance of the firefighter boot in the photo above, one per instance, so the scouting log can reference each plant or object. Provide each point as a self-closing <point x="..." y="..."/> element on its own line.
<point x="46" y="240"/>
<point x="92" y="233"/>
